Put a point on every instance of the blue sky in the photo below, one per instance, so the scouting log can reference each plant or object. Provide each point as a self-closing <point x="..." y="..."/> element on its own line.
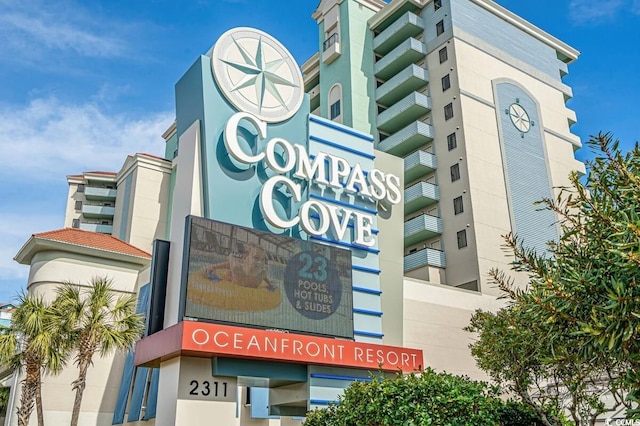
<point x="83" y="84"/>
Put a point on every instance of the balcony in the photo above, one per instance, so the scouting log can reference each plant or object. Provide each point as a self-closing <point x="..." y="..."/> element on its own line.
<point x="408" y="25"/>
<point x="408" y="139"/>
<point x="97" y="211"/>
<point x="100" y="194"/>
<point x="407" y="53"/>
<point x="314" y="98"/>
<point x="421" y="228"/>
<point x="424" y="257"/>
<point x="418" y="164"/>
<point x="407" y="110"/>
<point x="96" y="227"/>
<point x="408" y="80"/>
<point x="420" y="195"/>
<point x="331" y="48"/>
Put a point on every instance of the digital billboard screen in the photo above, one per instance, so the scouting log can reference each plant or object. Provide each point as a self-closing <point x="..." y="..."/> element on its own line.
<point x="243" y="276"/>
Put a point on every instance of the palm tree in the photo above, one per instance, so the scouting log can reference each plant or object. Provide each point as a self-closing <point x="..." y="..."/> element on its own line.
<point x="4" y="401"/>
<point x="32" y="341"/>
<point x="95" y="321"/>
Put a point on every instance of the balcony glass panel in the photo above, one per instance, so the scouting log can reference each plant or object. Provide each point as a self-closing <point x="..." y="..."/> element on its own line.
<point x="95" y="227"/>
<point x="89" y="210"/>
<point x="94" y="193"/>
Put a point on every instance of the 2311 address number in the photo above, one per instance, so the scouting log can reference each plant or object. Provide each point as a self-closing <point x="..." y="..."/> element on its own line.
<point x="205" y="388"/>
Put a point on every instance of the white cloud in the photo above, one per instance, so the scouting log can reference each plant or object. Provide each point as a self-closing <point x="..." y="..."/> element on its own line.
<point x="32" y="31"/>
<point x="593" y="11"/>
<point x="42" y="143"/>
<point x="48" y="139"/>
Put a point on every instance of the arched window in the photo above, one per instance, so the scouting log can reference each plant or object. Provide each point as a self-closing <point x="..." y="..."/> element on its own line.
<point x="335" y="103"/>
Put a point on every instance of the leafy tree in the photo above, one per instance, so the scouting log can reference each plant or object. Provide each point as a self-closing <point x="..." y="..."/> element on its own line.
<point x="582" y="303"/>
<point x="95" y="321"/>
<point x="32" y="342"/>
<point x="543" y="367"/>
<point x="428" y="398"/>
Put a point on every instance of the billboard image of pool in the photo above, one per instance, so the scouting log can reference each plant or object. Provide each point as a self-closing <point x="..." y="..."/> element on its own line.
<point x="242" y="276"/>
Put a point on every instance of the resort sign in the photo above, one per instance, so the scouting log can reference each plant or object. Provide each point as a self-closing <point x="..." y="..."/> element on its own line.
<point x="339" y="175"/>
<point x="258" y="76"/>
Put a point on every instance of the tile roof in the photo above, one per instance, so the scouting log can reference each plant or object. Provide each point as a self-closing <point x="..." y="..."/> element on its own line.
<point x="92" y="240"/>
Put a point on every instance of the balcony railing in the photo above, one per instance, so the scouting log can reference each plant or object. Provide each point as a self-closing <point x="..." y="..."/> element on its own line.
<point x="95" y="193"/>
<point x="419" y="195"/>
<point x="409" y="51"/>
<point x="400" y="85"/>
<point x="91" y="210"/>
<point x="408" y="25"/>
<point x="96" y="227"/>
<point x="333" y="39"/>
<point x="424" y="257"/>
<point x="331" y="48"/>
<point x="408" y="139"/>
<point x="421" y="228"/>
<point x="419" y="164"/>
<point x="405" y="111"/>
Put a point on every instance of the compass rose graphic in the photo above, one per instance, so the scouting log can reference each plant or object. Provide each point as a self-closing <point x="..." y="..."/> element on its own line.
<point x="519" y="118"/>
<point x="257" y="74"/>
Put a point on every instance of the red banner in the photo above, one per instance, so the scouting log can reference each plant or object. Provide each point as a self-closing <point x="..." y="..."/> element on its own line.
<point x="210" y="340"/>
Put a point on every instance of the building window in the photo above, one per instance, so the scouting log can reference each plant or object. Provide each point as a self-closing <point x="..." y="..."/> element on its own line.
<point x="75" y="223"/>
<point x="335" y="109"/>
<point x="78" y="205"/>
<point x="455" y="172"/>
<point x="81" y="187"/>
<point x="448" y="111"/>
<point x="437" y="4"/>
<point x="439" y="28"/>
<point x="452" y="142"/>
<point x="335" y="104"/>
<point x="462" y="238"/>
<point x="443" y="54"/>
<point x="446" y="82"/>
<point x="457" y="205"/>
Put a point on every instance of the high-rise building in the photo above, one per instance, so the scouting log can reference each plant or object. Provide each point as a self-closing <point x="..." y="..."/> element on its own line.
<point x="472" y="97"/>
<point x="129" y="204"/>
<point x="460" y="100"/>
